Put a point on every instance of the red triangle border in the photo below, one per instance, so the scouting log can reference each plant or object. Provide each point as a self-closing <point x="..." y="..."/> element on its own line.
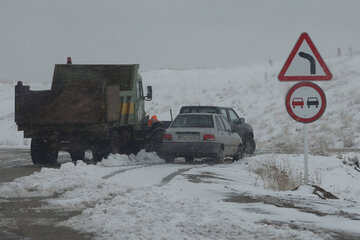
<point x="282" y="77"/>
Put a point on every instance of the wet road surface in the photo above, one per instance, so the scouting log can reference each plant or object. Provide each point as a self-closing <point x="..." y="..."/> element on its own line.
<point x="24" y="218"/>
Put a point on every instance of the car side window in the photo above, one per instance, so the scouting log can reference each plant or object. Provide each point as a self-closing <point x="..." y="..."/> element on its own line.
<point x="226" y="124"/>
<point x="223" y="112"/>
<point x="217" y="124"/>
<point x="233" y="115"/>
<point x="220" y="124"/>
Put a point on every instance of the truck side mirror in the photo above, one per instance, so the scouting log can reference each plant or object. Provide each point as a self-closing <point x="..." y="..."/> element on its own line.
<point x="149" y="93"/>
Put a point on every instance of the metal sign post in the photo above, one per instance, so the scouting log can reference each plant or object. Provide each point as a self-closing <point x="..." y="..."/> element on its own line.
<point x="305" y="103"/>
<point x="306" y="150"/>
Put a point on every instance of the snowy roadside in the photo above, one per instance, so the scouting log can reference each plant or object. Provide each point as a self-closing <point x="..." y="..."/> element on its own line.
<point x="127" y="198"/>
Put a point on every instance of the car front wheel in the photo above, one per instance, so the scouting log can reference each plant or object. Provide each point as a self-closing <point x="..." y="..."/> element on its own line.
<point x="249" y="145"/>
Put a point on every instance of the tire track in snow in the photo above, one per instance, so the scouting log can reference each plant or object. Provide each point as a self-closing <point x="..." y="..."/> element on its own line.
<point x="180" y="171"/>
<point x="125" y="170"/>
<point x="169" y="177"/>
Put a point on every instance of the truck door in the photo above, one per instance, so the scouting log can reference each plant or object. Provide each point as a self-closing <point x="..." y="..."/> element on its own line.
<point x="140" y="112"/>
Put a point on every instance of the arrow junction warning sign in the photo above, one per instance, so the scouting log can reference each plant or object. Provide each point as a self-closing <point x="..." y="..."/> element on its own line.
<point x="304" y="63"/>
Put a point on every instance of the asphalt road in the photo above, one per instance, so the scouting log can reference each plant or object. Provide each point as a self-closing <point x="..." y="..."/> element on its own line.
<point x="23" y="218"/>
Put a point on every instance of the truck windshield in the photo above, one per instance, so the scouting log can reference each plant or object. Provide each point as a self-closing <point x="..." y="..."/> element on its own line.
<point x="200" y="121"/>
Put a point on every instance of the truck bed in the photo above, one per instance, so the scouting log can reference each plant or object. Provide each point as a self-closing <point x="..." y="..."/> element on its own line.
<point x="74" y="106"/>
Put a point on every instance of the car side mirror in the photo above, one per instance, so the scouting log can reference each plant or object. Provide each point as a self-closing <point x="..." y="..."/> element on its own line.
<point x="239" y="121"/>
<point x="149" y="93"/>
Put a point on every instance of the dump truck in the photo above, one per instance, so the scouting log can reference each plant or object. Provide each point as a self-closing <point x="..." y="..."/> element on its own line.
<point x="93" y="107"/>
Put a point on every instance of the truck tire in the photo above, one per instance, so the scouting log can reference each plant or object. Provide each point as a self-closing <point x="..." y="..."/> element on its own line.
<point x="41" y="152"/>
<point x="155" y="140"/>
<point x="249" y="145"/>
<point x="220" y="156"/>
<point x="100" y="150"/>
<point x="114" y="142"/>
<point x="169" y="158"/>
<point x="77" y="155"/>
<point x="98" y="155"/>
<point x="239" y="153"/>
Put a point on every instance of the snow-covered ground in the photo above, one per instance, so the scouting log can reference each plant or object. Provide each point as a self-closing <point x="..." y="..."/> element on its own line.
<point x="140" y="197"/>
<point x="127" y="198"/>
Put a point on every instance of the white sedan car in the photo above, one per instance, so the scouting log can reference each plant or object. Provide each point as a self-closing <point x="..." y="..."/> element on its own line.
<point x="198" y="135"/>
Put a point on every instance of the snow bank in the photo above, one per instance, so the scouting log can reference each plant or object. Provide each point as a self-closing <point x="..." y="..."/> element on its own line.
<point x="124" y="197"/>
<point x="256" y="93"/>
<point x="125" y="160"/>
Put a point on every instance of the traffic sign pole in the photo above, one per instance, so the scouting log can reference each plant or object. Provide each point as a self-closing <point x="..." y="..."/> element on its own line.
<point x="305" y="101"/>
<point x="306" y="150"/>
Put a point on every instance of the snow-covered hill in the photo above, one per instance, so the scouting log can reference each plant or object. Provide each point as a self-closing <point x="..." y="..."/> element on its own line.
<point x="253" y="91"/>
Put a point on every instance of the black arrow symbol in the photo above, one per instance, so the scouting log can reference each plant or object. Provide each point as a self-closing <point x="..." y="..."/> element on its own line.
<point x="311" y="60"/>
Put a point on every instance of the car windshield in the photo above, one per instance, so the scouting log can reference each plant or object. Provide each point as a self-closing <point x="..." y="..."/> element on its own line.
<point x="201" y="121"/>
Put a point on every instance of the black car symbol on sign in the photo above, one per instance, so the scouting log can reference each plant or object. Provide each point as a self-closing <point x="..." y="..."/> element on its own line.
<point x="312" y="101"/>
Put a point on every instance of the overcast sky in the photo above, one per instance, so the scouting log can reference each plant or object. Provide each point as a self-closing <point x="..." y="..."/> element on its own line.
<point x="181" y="34"/>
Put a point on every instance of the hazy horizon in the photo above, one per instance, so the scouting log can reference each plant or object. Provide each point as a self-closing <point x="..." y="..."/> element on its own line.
<point x="37" y="34"/>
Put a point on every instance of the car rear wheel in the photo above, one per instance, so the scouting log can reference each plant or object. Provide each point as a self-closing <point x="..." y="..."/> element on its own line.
<point x="220" y="156"/>
<point x="239" y="153"/>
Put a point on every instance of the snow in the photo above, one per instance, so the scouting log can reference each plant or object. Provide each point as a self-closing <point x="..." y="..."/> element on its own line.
<point x="125" y="197"/>
<point x="122" y="160"/>
<point x="141" y="197"/>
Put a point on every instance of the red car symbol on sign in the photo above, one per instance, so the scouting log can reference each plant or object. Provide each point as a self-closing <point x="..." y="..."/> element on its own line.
<point x="297" y="102"/>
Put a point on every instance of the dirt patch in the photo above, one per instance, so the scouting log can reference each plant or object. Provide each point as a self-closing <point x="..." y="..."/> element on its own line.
<point x="295" y="203"/>
<point x="321" y="232"/>
<point x="242" y="199"/>
<point x="322" y="193"/>
<point x="24" y="218"/>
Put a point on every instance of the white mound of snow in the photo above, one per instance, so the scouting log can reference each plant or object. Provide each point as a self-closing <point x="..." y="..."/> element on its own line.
<point x="127" y="160"/>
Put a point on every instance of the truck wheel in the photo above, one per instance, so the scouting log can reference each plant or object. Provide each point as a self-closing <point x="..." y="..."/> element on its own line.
<point x="220" y="156"/>
<point x="98" y="155"/>
<point x="114" y="142"/>
<point x="239" y="153"/>
<point x="169" y="158"/>
<point x="156" y="140"/>
<point x="77" y="155"/>
<point x="41" y="153"/>
<point x="189" y="159"/>
<point x="249" y="146"/>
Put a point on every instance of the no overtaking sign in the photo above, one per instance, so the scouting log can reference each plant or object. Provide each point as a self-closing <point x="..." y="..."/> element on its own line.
<point x="305" y="102"/>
